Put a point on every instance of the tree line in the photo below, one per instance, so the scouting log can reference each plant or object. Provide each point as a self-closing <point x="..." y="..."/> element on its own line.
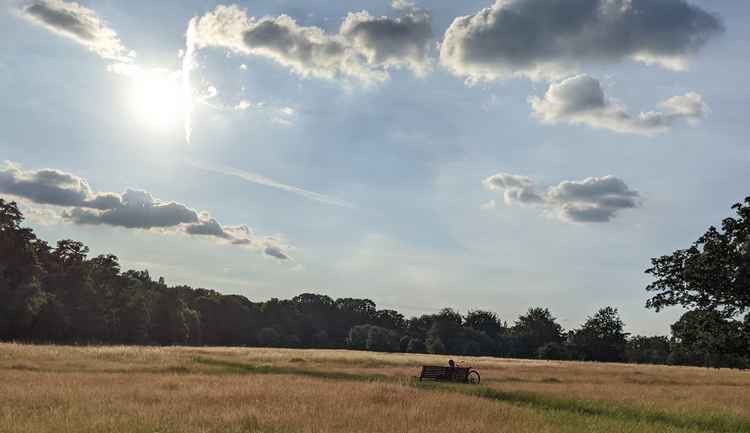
<point x="61" y="295"/>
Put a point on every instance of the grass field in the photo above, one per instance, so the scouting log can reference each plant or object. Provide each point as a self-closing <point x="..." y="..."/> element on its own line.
<point x="180" y="389"/>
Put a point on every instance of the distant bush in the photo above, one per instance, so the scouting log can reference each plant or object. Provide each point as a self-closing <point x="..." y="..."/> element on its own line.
<point x="269" y="337"/>
<point x="358" y="337"/>
<point x="435" y="345"/>
<point x="416" y="346"/>
<point x="381" y="340"/>
<point x="554" y="351"/>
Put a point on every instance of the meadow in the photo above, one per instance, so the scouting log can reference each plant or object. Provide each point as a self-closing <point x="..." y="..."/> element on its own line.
<point x="188" y="389"/>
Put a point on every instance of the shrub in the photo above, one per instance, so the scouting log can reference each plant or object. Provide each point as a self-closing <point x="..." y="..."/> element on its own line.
<point x="269" y="337"/>
<point x="416" y="346"/>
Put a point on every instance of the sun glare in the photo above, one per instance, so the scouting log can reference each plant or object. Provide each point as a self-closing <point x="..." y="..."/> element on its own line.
<point x="157" y="99"/>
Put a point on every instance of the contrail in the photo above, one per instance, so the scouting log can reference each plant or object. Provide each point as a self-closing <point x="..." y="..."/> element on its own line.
<point x="262" y="180"/>
<point x="188" y="62"/>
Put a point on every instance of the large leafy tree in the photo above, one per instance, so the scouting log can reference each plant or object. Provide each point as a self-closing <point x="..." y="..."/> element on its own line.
<point x="706" y="338"/>
<point x="647" y="350"/>
<point x="713" y="274"/>
<point x="534" y="329"/>
<point x="601" y="338"/>
<point x="21" y="296"/>
<point x="485" y="321"/>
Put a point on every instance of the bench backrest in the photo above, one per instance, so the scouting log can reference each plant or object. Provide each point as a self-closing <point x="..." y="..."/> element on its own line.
<point x="440" y="372"/>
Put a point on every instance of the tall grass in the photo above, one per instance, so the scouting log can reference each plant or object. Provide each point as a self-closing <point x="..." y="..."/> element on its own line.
<point x="124" y="389"/>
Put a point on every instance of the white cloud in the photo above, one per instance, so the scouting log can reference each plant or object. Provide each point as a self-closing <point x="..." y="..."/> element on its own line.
<point x="594" y="199"/>
<point x="364" y="48"/>
<point x="403" y="4"/>
<point x="581" y="100"/>
<point x="188" y="64"/>
<point x="308" y="51"/>
<point x="547" y="39"/>
<point x="38" y="214"/>
<point x="515" y="188"/>
<point x="244" y="104"/>
<point x="488" y="205"/>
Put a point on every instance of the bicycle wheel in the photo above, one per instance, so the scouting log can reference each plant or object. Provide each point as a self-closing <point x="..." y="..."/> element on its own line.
<point x="473" y="377"/>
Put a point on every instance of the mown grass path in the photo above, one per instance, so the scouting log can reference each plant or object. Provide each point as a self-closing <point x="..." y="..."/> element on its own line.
<point x="584" y="408"/>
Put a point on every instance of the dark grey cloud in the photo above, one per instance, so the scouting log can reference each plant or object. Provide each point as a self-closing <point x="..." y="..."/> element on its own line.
<point x="594" y="199"/>
<point x="307" y="50"/>
<point x="133" y="209"/>
<point x="550" y="38"/>
<point x="275" y="251"/>
<point x="64" y="20"/>
<point x="137" y="209"/>
<point x="53" y="187"/>
<point x="78" y="23"/>
<point x="364" y="48"/>
<point x="391" y="42"/>
<point x="237" y="235"/>
<point x="581" y="100"/>
<point x="207" y="226"/>
<point x="44" y="186"/>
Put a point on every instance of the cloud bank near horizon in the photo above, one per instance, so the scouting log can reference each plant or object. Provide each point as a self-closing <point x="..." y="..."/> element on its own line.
<point x="132" y="209"/>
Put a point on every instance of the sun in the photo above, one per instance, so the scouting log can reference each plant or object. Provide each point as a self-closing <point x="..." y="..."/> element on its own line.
<point x="158" y="99"/>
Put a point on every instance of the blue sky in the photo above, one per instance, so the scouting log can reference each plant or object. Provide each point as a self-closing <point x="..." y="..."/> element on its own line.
<point x="511" y="175"/>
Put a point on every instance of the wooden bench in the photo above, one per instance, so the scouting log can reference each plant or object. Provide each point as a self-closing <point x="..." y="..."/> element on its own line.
<point x="435" y="372"/>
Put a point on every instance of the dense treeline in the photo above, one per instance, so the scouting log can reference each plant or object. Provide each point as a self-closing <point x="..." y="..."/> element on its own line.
<point x="60" y="295"/>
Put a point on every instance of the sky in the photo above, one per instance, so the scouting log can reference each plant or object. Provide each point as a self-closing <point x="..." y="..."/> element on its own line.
<point x="424" y="154"/>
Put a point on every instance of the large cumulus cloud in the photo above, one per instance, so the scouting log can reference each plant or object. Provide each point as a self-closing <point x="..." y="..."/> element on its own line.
<point x="581" y="100"/>
<point x="133" y="209"/>
<point x="78" y="23"/>
<point x="53" y="187"/>
<point x="364" y="48"/>
<point x="136" y="209"/>
<point x="594" y="199"/>
<point x="391" y="42"/>
<point x="544" y="39"/>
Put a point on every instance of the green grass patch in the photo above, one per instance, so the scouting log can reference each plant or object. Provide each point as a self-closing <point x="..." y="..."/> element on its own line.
<point x="711" y="422"/>
<point x="240" y="368"/>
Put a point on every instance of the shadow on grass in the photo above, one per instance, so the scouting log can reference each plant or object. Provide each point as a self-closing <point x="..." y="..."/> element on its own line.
<point x="239" y="367"/>
<point x="717" y="423"/>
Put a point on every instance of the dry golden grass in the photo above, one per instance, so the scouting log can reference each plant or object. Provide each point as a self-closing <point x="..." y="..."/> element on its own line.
<point x="135" y="389"/>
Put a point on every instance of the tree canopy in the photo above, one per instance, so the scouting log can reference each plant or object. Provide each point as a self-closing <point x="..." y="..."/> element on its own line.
<point x="59" y="294"/>
<point x="712" y="274"/>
